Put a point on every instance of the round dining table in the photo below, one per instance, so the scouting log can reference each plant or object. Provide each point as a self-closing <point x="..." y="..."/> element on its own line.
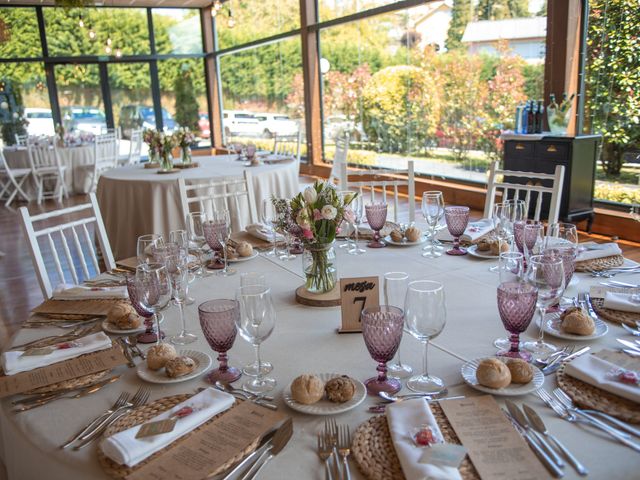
<point x="305" y="340"/>
<point x="135" y="200"/>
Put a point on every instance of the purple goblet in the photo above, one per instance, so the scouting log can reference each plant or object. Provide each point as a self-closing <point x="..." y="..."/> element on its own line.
<point x="457" y="219"/>
<point x="218" y="321"/>
<point x="382" y="331"/>
<point x="376" y="217"/>
<point x="518" y="234"/>
<point x="568" y="255"/>
<point x="149" y="335"/>
<point x="516" y="304"/>
<point x="212" y="234"/>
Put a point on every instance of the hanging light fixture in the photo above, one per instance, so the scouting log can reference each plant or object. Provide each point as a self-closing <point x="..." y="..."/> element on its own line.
<point x="214" y="12"/>
<point x="107" y="48"/>
<point x="92" y="33"/>
<point x="232" y="21"/>
<point x="81" y="21"/>
<point x="118" y="53"/>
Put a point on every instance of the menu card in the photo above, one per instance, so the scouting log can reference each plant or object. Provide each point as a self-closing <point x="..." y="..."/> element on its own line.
<point x="494" y="446"/>
<point x="61" y="371"/>
<point x="208" y="449"/>
<point x="96" y="307"/>
<point x="128" y="263"/>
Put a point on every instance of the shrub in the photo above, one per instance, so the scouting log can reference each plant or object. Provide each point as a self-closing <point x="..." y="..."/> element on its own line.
<point x="617" y="193"/>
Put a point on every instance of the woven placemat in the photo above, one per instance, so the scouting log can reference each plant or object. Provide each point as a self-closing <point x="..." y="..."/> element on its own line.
<point x="628" y="318"/>
<point x="598" y="264"/>
<point x="146" y="412"/>
<point x="71" y="384"/>
<point x="588" y="396"/>
<point x="376" y="458"/>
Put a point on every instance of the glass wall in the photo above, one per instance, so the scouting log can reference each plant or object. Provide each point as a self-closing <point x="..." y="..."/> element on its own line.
<point x="19" y="35"/>
<point x="80" y="99"/>
<point x="177" y="30"/>
<point x="130" y="85"/>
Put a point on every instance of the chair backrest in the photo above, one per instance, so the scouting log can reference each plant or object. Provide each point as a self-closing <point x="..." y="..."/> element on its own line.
<point x="69" y="244"/>
<point x="135" y="146"/>
<point x="106" y="151"/>
<point x="207" y="195"/>
<point x="21" y="140"/>
<point x="532" y="191"/>
<point x="383" y="179"/>
<point x="339" y="158"/>
<point x="288" y="145"/>
<point x="42" y="155"/>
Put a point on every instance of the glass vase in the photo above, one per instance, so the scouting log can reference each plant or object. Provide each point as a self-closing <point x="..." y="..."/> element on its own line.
<point x="154" y="157"/>
<point x="319" y="264"/>
<point x="558" y="120"/>
<point x="166" y="161"/>
<point x="186" y="155"/>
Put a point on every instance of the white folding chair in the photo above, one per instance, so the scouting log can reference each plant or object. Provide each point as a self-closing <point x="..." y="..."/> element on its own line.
<point x="288" y="145"/>
<point x="339" y="158"/>
<point x="383" y="179"/>
<point x="68" y="242"/>
<point x="11" y="181"/>
<point x="135" y="147"/>
<point x="21" y="140"/>
<point x="46" y="169"/>
<point x="207" y="195"/>
<point x="533" y="190"/>
<point x="106" y="156"/>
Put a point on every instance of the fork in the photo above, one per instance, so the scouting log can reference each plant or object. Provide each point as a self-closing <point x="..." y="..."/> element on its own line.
<point x="344" y="448"/>
<point x="73" y="334"/>
<point x="325" y="453"/>
<point x="331" y="434"/>
<point x="632" y="331"/>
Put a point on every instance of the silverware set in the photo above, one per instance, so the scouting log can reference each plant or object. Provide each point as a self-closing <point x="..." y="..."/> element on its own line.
<point x="612" y="272"/>
<point x="334" y="448"/>
<point x="262" y="400"/>
<point x="633" y="331"/>
<point x="552" y="362"/>
<point x="612" y="283"/>
<point x="60" y="323"/>
<point x="387" y="399"/>
<point x="632" y="347"/>
<point x="78" y="332"/>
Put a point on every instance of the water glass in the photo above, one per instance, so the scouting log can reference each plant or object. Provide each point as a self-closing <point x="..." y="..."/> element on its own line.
<point x="348" y="217"/>
<point x="357" y="207"/>
<point x="395" y="291"/>
<point x="150" y="335"/>
<point x="269" y="217"/>
<point x="195" y="229"/>
<point x="153" y="289"/>
<point x="433" y="211"/>
<point x="457" y="219"/>
<point x="146" y="245"/>
<point x="181" y="238"/>
<point x="376" y="217"/>
<point x="179" y="286"/>
<point x="532" y="239"/>
<point x="516" y="305"/>
<point x="564" y="231"/>
<point x="511" y="269"/>
<point x="497" y="220"/>
<point x="219" y="319"/>
<point x="217" y="232"/>
<point x="514" y="211"/>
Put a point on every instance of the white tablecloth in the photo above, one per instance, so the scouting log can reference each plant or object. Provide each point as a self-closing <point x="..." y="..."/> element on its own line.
<point x="77" y="176"/>
<point x="135" y="201"/>
<point x="304" y="341"/>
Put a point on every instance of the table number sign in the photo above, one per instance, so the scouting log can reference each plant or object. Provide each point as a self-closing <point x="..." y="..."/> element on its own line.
<point x="356" y="294"/>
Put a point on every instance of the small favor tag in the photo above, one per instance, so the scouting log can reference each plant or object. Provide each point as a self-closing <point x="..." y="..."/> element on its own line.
<point x="163" y="426"/>
<point x="48" y="350"/>
<point x="624" y="376"/>
<point x="444" y="455"/>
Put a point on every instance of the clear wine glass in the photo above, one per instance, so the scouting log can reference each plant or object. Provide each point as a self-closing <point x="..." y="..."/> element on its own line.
<point x="146" y="245"/>
<point x="153" y="289"/>
<point x="457" y="220"/>
<point x="514" y="211"/>
<point x="511" y="269"/>
<point x="516" y="305"/>
<point x="532" y="239"/>
<point x="217" y="232"/>
<point x="546" y="273"/>
<point x="564" y="231"/>
<point x="195" y="222"/>
<point x="433" y="211"/>
<point x="150" y="335"/>
<point x="425" y="318"/>
<point x="179" y="286"/>
<point x="382" y="328"/>
<point x="269" y="217"/>
<point x="376" y="217"/>
<point x="497" y="219"/>
<point x="181" y="238"/>
<point x="219" y="320"/>
<point x="395" y="291"/>
<point x="255" y="279"/>
<point x="256" y="322"/>
<point x="357" y="207"/>
<point x="342" y="194"/>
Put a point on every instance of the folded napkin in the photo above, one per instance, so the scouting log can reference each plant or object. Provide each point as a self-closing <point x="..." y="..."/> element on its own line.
<point x="125" y="449"/>
<point x="474" y="231"/>
<point x="79" y="292"/>
<point x="402" y="417"/>
<point x="594" y="371"/>
<point x="263" y="232"/>
<point x="593" y="250"/>
<point x="622" y="302"/>
<point x="14" y="362"/>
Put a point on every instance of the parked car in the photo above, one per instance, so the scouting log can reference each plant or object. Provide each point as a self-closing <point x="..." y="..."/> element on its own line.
<point x="238" y="123"/>
<point x="133" y="117"/>
<point x="84" y="119"/>
<point x="40" y="122"/>
<point x="204" y="125"/>
<point x="337" y="125"/>
<point x="276" y="124"/>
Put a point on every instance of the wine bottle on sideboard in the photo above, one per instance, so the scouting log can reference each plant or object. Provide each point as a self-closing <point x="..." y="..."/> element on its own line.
<point x="540" y="120"/>
<point x="531" y="118"/>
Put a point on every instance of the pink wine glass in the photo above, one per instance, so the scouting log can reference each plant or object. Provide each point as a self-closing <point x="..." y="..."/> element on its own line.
<point x="518" y="234"/>
<point x="218" y="321"/>
<point x="212" y="234"/>
<point x="376" y="217"/>
<point x="516" y="304"/>
<point x="457" y="219"/>
<point x="382" y="331"/>
<point x="149" y="335"/>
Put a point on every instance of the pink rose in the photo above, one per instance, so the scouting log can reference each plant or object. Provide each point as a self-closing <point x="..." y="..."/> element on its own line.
<point x="337" y="230"/>
<point x="317" y="215"/>
<point x="308" y="234"/>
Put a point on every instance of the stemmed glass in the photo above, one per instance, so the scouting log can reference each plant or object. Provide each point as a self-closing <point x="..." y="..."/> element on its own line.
<point x="146" y="245"/>
<point x="382" y="328"/>
<point x="425" y="317"/>
<point x="497" y="219"/>
<point x="217" y="232"/>
<point x="255" y="323"/>
<point x="195" y="222"/>
<point x="255" y="279"/>
<point x="546" y="273"/>
<point x="149" y="335"/>
<point x="219" y="319"/>
<point x="564" y="238"/>
<point x="269" y="217"/>
<point x="433" y="210"/>
<point x="348" y="217"/>
<point x="516" y="304"/>
<point x="395" y="291"/>
<point x="357" y="207"/>
<point x="181" y="238"/>
<point x="514" y="211"/>
<point x="153" y="289"/>
<point x="565" y="231"/>
<point x="457" y="219"/>
<point x="511" y="268"/>
<point x="376" y="217"/>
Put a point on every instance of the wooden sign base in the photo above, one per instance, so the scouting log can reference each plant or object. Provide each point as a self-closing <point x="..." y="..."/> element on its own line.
<point x="329" y="299"/>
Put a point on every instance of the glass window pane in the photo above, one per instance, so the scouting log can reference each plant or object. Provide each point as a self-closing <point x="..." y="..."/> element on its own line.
<point x="184" y="99"/>
<point x="329" y="9"/>
<point x="131" y="97"/>
<point x="249" y="20"/>
<point x="80" y="98"/>
<point x="177" y="30"/>
<point x="19" y="35"/>
<point x="262" y="92"/>
<point x="126" y="27"/>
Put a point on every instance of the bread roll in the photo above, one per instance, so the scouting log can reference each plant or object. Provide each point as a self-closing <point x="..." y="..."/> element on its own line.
<point x="396" y="235"/>
<point x="179" y="366"/>
<point x="575" y="320"/>
<point x="484" y="245"/>
<point x="244" y="249"/>
<point x="340" y="389"/>
<point x="521" y="371"/>
<point x="413" y="234"/>
<point x="124" y="317"/>
<point x="159" y="355"/>
<point x="307" y="389"/>
<point x="493" y="373"/>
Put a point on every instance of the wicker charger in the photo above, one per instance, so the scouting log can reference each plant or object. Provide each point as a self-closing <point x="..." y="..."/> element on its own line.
<point x="145" y="413"/>
<point x="598" y="264"/>
<point x="617" y="316"/>
<point x="588" y="396"/>
<point x="376" y="457"/>
<point x="71" y="384"/>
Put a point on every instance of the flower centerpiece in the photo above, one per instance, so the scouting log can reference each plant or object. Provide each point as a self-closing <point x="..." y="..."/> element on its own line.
<point x="316" y="215"/>
<point x="184" y="138"/>
<point x="150" y="137"/>
<point x="165" y="146"/>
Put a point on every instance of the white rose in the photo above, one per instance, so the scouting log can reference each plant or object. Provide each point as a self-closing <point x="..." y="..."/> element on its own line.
<point x="303" y="221"/>
<point x="310" y="195"/>
<point x="328" y="212"/>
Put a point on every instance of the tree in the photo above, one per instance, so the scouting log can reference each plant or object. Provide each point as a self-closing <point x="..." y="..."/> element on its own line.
<point x="186" y="104"/>
<point x="501" y="9"/>
<point x="460" y="16"/>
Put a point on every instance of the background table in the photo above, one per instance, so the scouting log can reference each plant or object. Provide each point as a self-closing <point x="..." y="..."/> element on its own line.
<point x="305" y="341"/>
<point x="135" y="201"/>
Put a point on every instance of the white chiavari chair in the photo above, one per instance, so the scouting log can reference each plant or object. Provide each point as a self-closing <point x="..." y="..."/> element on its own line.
<point x="11" y="181"/>
<point x="21" y="140"/>
<point x="385" y="182"/>
<point x="288" y="145"/>
<point x="533" y="190"/>
<point x="47" y="170"/>
<point x="105" y="156"/>
<point x="339" y="159"/>
<point x="69" y="244"/>
<point x="135" y="149"/>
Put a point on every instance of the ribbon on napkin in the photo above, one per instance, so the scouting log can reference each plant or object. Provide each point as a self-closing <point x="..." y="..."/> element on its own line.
<point x="79" y="292"/>
<point x="624" y="302"/>
<point x="125" y="449"/>
<point x="263" y="232"/>
<point x="593" y="250"/>
<point x="474" y="231"/>
<point x="14" y="361"/>
<point x="402" y="417"/>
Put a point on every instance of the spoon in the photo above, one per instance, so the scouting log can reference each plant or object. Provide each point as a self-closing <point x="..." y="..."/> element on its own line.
<point x="399" y="398"/>
<point x="132" y="341"/>
<point x="228" y="388"/>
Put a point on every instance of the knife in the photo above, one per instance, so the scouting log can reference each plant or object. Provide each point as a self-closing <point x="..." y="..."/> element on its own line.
<point x="280" y="440"/>
<point x="250" y="459"/>
<point x="555" y="365"/>
<point x="126" y="352"/>
<point x="537" y="423"/>
<point x="381" y="407"/>
<point x="39" y="397"/>
<point x="590" y="310"/>
<point x="628" y="344"/>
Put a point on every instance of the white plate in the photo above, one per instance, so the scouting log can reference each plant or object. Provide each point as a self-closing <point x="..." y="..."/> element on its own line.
<point x="552" y="327"/>
<point x="324" y="406"/>
<point x="404" y="242"/>
<point x="244" y="259"/>
<point x="109" y="327"/>
<point x="468" y="371"/>
<point x="203" y="362"/>
<point x="473" y="251"/>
